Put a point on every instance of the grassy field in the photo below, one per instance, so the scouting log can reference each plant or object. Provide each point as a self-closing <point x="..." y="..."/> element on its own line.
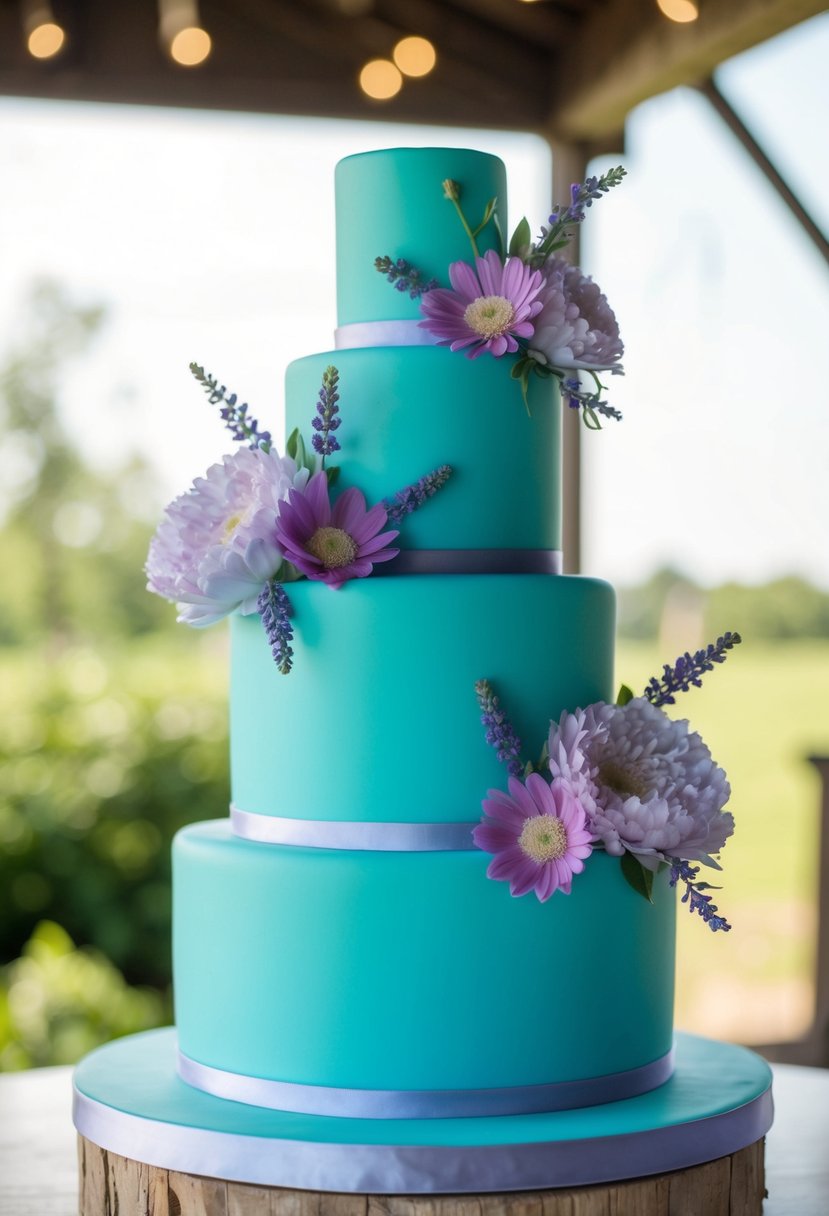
<point x="762" y="714"/>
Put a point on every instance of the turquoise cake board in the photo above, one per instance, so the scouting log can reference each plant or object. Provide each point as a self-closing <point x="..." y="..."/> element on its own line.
<point x="129" y="1100"/>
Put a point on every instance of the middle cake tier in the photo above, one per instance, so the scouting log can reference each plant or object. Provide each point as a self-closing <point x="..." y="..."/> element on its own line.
<point x="378" y="720"/>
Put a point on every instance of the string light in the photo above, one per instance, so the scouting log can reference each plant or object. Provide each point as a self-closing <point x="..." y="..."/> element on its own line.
<point x="44" y="37"/>
<point x="181" y="32"/>
<point x="681" y="11"/>
<point x="414" y="56"/>
<point x="380" y="79"/>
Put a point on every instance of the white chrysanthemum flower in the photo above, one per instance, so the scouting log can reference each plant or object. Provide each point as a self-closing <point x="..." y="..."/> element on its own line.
<point x="216" y="546"/>
<point x="576" y="327"/>
<point x="647" y="783"/>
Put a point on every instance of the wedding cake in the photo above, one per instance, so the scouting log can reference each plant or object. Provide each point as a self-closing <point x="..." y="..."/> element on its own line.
<point x="361" y="958"/>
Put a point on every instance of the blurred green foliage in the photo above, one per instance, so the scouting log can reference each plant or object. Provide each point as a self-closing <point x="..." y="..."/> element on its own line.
<point x="57" y="1002"/>
<point x="113" y="721"/>
<point x="780" y="610"/>
<point x="105" y="753"/>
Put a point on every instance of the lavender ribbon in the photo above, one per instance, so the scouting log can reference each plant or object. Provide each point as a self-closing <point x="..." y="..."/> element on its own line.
<point x="382" y="333"/>
<point x="424" y="1103"/>
<point x="399" y="1169"/>
<point x="357" y="837"/>
<point x="472" y="561"/>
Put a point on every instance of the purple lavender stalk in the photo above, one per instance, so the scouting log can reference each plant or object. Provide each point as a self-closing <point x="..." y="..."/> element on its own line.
<point x="404" y="276"/>
<point x="499" y="731"/>
<point x="590" y="403"/>
<point x="411" y="497"/>
<point x="235" y="417"/>
<point x="582" y="195"/>
<point x="695" y="897"/>
<point x="688" y="670"/>
<point x="325" y="420"/>
<point x="275" y="611"/>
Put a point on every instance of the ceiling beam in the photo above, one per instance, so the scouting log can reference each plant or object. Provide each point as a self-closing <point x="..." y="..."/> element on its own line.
<point x="625" y="53"/>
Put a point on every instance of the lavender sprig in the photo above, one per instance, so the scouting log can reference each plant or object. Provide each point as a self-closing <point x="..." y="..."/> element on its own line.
<point x="688" y="670"/>
<point x="589" y="402"/>
<point x="562" y="219"/>
<point x="325" y="420"/>
<point x="404" y="276"/>
<point x="499" y="731"/>
<point x="235" y="417"/>
<point x="275" y="610"/>
<point x="407" y="500"/>
<point x="695" y="897"/>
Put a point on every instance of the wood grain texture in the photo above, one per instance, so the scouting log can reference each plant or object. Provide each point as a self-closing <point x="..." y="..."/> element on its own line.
<point x="116" y="1186"/>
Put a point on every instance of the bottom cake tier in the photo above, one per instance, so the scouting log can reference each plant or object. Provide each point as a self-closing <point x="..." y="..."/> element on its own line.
<point x="129" y="1100"/>
<point x="398" y="983"/>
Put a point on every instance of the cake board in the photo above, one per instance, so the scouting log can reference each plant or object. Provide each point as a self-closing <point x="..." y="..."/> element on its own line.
<point x="145" y="1133"/>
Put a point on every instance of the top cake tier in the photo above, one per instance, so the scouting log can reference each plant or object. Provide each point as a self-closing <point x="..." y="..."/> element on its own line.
<point x="392" y="203"/>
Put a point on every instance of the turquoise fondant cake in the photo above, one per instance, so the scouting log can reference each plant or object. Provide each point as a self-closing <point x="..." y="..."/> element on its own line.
<point x="355" y="947"/>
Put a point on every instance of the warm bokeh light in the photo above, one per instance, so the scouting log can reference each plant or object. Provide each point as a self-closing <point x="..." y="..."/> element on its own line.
<point x="190" y="46"/>
<point x="679" y="10"/>
<point x="46" y="40"/>
<point x="414" y="56"/>
<point x="380" y="79"/>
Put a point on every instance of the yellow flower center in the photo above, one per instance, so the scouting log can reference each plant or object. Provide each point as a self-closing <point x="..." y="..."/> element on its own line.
<point x="231" y="524"/>
<point x="333" y="547"/>
<point x="489" y="316"/>
<point x="544" y="838"/>
<point x="622" y="781"/>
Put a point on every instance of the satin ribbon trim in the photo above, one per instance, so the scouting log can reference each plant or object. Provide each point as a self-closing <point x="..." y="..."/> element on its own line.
<point x="421" y="1169"/>
<point x="382" y="333"/>
<point x="357" y="837"/>
<point x="472" y="561"/>
<point x="424" y="1103"/>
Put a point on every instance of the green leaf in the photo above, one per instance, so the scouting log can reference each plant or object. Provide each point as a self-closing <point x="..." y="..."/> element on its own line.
<point x="591" y="419"/>
<point x="332" y="474"/>
<point x="488" y="214"/>
<point x="625" y="695"/>
<point x="639" y="878"/>
<point x="520" y="239"/>
<point x="291" y="443"/>
<point x="517" y="369"/>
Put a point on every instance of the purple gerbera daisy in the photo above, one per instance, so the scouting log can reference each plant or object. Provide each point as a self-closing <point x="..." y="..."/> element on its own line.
<point x="538" y="834"/>
<point x="336" y="543"/>
<point x="489" y="307"/>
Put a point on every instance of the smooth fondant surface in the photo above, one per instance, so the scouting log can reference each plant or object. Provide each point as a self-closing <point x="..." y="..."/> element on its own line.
<point x="407" y="410"/>
<point x="378" y="718"/>
<point x="411" y="970"/>
<point x="391" y="203"/>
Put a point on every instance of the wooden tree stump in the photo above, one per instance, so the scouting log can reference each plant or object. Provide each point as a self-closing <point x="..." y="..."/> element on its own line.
<point x="109" y="1184"/>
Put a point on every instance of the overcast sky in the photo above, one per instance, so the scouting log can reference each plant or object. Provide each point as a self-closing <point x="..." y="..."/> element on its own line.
<point x="210" y="237"/>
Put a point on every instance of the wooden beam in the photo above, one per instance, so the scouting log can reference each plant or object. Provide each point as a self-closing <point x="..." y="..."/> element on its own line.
<point x="627" y="52"/>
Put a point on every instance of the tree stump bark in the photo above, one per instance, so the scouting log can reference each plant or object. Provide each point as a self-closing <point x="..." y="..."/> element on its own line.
<point x="109" y="1184"/>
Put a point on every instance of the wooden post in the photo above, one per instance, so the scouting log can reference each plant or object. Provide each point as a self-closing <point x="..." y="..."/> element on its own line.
<point x="730" y="1186"/>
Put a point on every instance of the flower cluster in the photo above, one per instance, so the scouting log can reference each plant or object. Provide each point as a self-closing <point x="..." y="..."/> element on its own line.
<point x="646" y="785"/>
<point x="258" y="520"/>
<point x="526" y="301"/>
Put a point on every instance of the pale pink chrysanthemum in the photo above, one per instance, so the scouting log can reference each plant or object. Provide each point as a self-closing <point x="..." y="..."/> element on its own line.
<point x="575" y="327"/>
<point x="489" y="307"/>
<point x="216" y="546"/>
<point x="538" y="834"/>
<point x="647" y="783"/>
